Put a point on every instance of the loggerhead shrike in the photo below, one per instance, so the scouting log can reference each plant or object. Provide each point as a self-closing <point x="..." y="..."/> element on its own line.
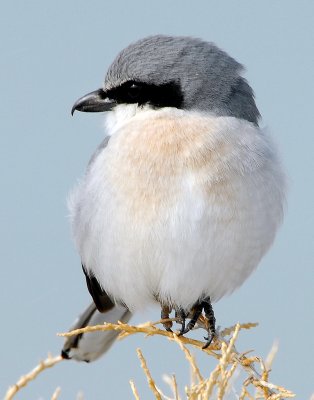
<point x="185" y="194"/>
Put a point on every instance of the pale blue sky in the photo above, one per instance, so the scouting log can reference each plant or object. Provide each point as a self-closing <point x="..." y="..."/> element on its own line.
<point x="54" y="52"/>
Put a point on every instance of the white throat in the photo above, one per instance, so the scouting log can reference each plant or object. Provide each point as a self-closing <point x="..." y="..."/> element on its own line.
<point x="121" y="115"/>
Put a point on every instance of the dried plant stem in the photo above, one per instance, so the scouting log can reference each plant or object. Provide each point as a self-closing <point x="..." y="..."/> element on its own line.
<point x="134" y="390"/>
<point x="25" y="379"/>
<point x="150" y="329"/>
<point x="245" y="394"/>
<point x="226" y="359"/>
<point x="175" y="387"/>
<point x="229" y="331"/>
<point x="150" y="380"/>
<point x="56" y="394"/>
<point x="216" y="386"/>
<point x="190" y="358"/>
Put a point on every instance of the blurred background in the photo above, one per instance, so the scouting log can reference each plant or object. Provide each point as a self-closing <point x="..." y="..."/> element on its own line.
<point x="51" y="53"/>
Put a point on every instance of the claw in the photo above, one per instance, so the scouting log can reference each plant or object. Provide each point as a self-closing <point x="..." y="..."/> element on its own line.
<point x="183" y="332"/>
<point x="182" y="316"/>
<point x="208" y="342"/>
<point x="209" y="314"/>
<point x="194" y="314"/>
<point x="189" y="326"/>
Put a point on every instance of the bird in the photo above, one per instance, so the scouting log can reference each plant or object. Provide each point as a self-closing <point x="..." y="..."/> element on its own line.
<point x="185" y="194"/>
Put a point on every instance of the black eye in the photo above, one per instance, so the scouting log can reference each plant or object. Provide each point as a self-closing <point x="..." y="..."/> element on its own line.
<point x="134" y="91"/>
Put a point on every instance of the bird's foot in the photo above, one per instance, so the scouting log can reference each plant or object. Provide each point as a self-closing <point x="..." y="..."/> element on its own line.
<point x="194" y="313"/>
<point x="165" y="312"/>
<point x="211" y="321"/>
<point x="181" y="317"/>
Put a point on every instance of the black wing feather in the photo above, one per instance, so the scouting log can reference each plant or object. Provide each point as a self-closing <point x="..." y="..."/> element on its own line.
<point x="100" y="297"/>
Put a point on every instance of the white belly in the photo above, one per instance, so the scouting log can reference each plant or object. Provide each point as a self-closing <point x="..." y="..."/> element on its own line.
<point x="178" y="207"/>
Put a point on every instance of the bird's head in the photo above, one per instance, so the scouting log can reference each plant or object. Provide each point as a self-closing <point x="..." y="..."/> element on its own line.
<point x="181" y="72"/>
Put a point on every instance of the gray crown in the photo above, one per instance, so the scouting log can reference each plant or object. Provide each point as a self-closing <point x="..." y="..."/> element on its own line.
<point x="209" y="78"/>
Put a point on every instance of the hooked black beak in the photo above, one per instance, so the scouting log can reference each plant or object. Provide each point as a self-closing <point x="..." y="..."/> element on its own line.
<point x="94" y="102"/>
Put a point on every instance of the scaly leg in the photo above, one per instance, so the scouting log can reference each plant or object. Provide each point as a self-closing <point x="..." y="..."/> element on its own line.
<point x="209" y="314"/>
<point x="165" y="311"/>
<point x="180" y="313"/>
<point x="195" y="312"/>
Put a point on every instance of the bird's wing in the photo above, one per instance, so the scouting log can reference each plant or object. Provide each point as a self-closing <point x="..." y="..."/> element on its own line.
<point x="100" y="297"/>
<point x="88" y="347"/>
<point x="102" y="145"/>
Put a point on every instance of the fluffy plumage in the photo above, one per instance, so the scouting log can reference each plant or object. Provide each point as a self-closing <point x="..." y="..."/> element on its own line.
<point x="185" y="195"/>
<point x="178" y="206"/>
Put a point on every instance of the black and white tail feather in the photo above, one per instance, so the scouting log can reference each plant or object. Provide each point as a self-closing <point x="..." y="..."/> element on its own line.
<point x="89" y="347"/>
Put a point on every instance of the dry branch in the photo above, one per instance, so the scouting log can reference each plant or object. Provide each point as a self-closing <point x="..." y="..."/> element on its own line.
<point x="25" y="379"/>
<point x="216" y="386"/>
